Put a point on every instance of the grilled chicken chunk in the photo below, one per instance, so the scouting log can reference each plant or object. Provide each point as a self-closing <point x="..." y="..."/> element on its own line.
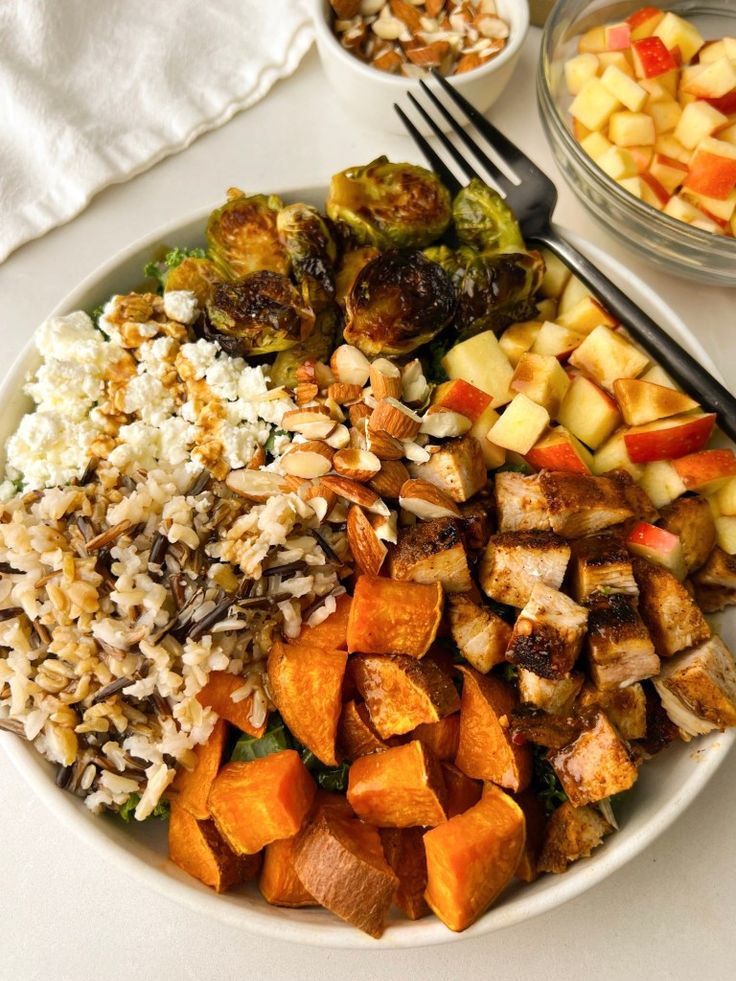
<point x="520" y="503"/>
<point x="551" y="731"/>
<point x="620" y="650"/>
<point x="698" y="688"/>
<point x="582" y="505"/>
<point x="601" y="562"/>
<point x="514" y="562"/>
<point x="595" y="765"/>
<point x="477" y="521"/>
<point x="715" y="582"/>
<point x="635" y="495"/>
<point x="457" y="468"/>
<point x="571" y="833"/>
<point x="625" y="707"/>
<point x="671" y="614"/>
<point x="481" y="636"/>
<point x="548" y="634"/>
<point x="433" y="551"/>
<point x="690" y="518"/>
<point x="555" y="696"/>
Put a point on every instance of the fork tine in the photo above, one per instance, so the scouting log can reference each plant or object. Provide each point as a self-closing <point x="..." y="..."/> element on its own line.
<point x="436" y="163"/>
<point x="508" y="150"/>
<point x="450" y="147"/>
<point x="498" y="175"/>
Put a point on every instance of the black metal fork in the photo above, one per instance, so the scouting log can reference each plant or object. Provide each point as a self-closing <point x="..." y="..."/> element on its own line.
<point x="533" y="200"/>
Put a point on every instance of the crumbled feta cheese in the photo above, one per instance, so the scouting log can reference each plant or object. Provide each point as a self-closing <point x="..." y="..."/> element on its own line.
<point x="180" y="305"/>
<point x="200" y="355"/>
<point x="146" y="396"/>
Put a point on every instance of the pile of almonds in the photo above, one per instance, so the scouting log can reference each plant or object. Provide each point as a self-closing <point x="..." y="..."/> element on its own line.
<point x="408" y="37"/>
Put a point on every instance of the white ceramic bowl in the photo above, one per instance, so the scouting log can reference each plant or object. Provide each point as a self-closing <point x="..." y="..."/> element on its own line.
<point x="370" y="94"/>
<point x="665" y="787"/>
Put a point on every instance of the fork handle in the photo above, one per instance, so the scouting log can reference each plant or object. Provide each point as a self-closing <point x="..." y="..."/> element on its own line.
<point x="683" y="368"/>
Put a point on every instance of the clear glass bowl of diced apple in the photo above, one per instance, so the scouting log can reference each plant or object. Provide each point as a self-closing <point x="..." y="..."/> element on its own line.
<point x="639" y="106"/>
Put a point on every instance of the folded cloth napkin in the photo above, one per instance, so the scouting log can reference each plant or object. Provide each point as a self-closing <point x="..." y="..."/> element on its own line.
<point x="92" y="93"/>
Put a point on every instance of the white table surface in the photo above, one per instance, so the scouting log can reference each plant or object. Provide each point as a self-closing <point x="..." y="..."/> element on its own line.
<point x="667" y="915"/>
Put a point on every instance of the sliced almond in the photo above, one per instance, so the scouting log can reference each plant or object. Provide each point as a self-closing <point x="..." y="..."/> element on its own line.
<point x="258" y="459"/>
<point x="384" y="446"/>
<point x="310" y="422"/>
<point x="310" y="459"/>
<point x="334" y="410"/>
<point x="395" y="418"/>
<point x="368" y="550"/>
<point x="442" y="423"/>
<point x="256" y="485"/>
<point x="357" y="412"/>
<point x="385" y="379"/>
<point x="390" y="479"/>
<point x="339" y="438"/>
<point x="426" y="501"/>
<point x="305" y="392"/>
<point x="357" y="437"/>
<point x="349" y="365"/>
<point x="344" y="393"/>
<point x="416" y="453"/>
<point x="387" y="529"/>
<point x="320" y="498"/>
<point x="356" y="464"/>
<point x="414" y="386"/>
<point x="356" y="493"/>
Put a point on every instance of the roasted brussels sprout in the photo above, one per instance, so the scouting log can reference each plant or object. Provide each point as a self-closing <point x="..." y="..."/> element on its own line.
<point x="484" y="221"/>
<point x="260" y="314"/>
<point x="352" y="262"/>
<point x="311" y="249"/>
<point x="318" y="347"/>
<point x="494" y="291"/>
<point x="390" y="205"/>
<point x="195" y="274"/>
<point x="399" y="301"/>
<point x="242" y="237"/>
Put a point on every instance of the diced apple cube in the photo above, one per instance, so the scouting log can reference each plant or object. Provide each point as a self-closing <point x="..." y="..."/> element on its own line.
<point x="460" y="396"/>
<point x="659" y="546"/>
<point x="715" y="80"/>
<point x="556" y="275"/>
<point x="619" y="59"/>
<point x="613" y="455"/>
<point x="595" y="145"/>
<point x="585" y="315"/>
<point x="624" y="88"/>
<point x="668" y="172"/>
<point x="558" y="449"/>
<point x="698" y="120"/>
<point x="543" y="379"/>
<point x="546" y="309"/>
<point x="493" y="456"/>
<point x="665" y="115"/>
<point x="520" y="426"/>
<point x="556" y="340"/>
<point x="631" y="129"/>
<point x="726" y="533"/>
<point x="606" y="355"/>
<point x="643" y="22"/>
<point x="618" y="36"/>
<point x="579" y="70"/>
<point x="720" y="211"/>
<point x="713" y="50"/>
<point x="706" y="471"/>
<point x="642" y="401"/>
<point x="653" y="192"/>
<point x="618" y="163"/>
<point x="662" y="87"/>
<point x="667" y="145"/>
<point x="678" y="207"/>
<point x="594" y="104"/>
<point x="481" y="362"/>
<point x="593" y="41"/>
<point x="728" y="135"/>
<point x="651" y="58"/>
<point x="662" y="483"/>
<point x="519" y="338"/>
<point x="658" y="376"/>
<point x="572" y="294"/>
<point x="713" y="170"/>
<point x="668" y="439"/>
<point x="725" y="497"/>
<point x="588" y="412"/>
<point x="676" y="32"/>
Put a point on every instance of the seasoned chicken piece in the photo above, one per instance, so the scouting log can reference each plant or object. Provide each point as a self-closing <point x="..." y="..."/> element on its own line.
<point x="698" y="688"/>
<point x="671" y="614"/>
<point x="715" y="582"/>
<point x="457" y="468"/>
<point x="481" y="636"/>
<point x="580" y="505"/>
<point x="549" y="633"/>
<point x="550" y="731"/>
<point x="635" y="495"/>
<point x="625" y="707"/>
<point x="514" y="562"/>
<point x="571" y="833"/>
<point x="619" y="648"/>
<point x="555" y="696"/>
<point x="595" y="765"/>
<point x="661" y="730"/>
<point x="520" y="503"/>
<point x="690" y="518"/>
<point x="433" y="551"/>
<point x="477" y="520"/>
<point x="601" y="562"/>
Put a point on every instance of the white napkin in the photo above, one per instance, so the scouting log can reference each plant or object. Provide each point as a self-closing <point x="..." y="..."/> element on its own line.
<point x="93" y="92"/>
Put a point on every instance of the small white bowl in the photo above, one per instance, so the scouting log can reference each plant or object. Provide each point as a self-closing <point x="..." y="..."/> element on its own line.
<point x="370" y="94"/>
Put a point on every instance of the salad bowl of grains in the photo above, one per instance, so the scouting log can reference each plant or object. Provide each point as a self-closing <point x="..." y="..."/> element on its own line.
<point x="282" y="593"/>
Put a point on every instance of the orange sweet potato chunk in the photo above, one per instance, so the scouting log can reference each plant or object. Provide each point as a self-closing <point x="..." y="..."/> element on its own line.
<point x="261" y="801"/>
<point x="355" y="735"/>
<point x="332" y="633"/>
<point x="392" y="617"/>
<point x="306" y="686"/>
<point x="279" y="884"/>
<point x="401" y="692"/>
<point x="472" y="857"/>
<point x="341" y="863"/>
<point x="404" y="851"/>
<point x="194" y="785"/>
<point x="217" y="695"/>
<point x="197" y="848"/>
<point x="441" y="737"/>
<point x="486" y="750"/>
<point x="462" y="791"/>
<point x="402" y="787"/>
<point x="536" y="823"/>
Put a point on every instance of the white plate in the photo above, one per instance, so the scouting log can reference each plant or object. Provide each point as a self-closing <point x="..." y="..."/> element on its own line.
<point x="665" y="787"/>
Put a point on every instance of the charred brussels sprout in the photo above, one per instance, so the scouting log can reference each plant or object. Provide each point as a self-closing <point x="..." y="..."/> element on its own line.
<point x="390" y="205"/>
<point x="352" y="262"/>
<point x="494" y="291"/>
<point x="242" y="237"/>
<point x="260" y="314"/>
<point x="399" y="301"/>
<point x="318" y="347"/>
<point x="195" y="274"/>
<point x="311" y="249"/>
<point x="484" y="221"/>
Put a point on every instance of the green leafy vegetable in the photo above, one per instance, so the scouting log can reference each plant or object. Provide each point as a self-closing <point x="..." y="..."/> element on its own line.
<point x="519" y="467"/>
<point x="127" y="810"/>
<point x="268" y="446"/>
<point x="158" y="270"/>
<point x="545" y="783"/>
<point x="509" y="673"/>
<point x="275" y="739"/>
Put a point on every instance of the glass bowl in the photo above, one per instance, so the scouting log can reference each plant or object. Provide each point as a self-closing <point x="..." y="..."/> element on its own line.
<point x="666" y="242"/>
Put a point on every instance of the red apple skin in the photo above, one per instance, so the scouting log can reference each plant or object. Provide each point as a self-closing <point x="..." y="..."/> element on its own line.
<point x="558" y="456"/>
<point x="711" y="175"/>
<point x="668" y="443"/>
<point x="654" y="184"/>
<point x="653" y="56"/>
<point x="462" y="397"/>
<point x="618" y="37"/>
<point x="724" y="103"/>
<point x="643" y="16"/>
<point x="698" y="469"/>
<point x="651" y="537"/>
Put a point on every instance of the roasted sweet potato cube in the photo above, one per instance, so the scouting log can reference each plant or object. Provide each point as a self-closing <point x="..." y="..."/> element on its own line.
<point x="549" y="633"/>
<point x="193" y="786"/>
<point x="472" y="857"/>
<point x="306" y="686"/>
<point x="433" y="551"/>
<point x="197" y="848"/>
<point x="355" y="733"/>
<point x="217" y="695"/>
<point x="480" y="634"/>
<point x="486" y="750"/>
<point x="392" y="617"/>
<point x="672" y="616"/>
<point x="514" y="562"/>
<point x="553" y="695"/>
<point x="527" y="870"/>
<point x="595" y="765"/>
<point x="401" y="692"/>
<point x="571" y="833"/>
<point x="441" y="737"/>
<point x="261" y="801"/>
<point x="462" y="791"/>
<point x="332" y="633"/>
<point x="278" y="882"/>
<point x="625" y="707"/>
<point x="341" y="863"/>
<point x="404" y="851"/>
<point x="402" y="787"/>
